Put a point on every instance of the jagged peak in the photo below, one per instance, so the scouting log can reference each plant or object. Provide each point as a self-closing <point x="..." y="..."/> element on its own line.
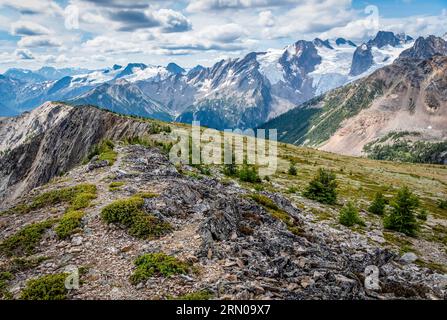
<point x="425" y="48"/>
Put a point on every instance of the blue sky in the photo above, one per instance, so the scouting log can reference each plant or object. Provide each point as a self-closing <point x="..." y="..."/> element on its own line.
<point x="101" y="33"/>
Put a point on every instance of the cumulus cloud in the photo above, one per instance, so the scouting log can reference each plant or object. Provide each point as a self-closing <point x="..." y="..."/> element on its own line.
<point x="23" y="54"/>
<point x="103" y="44"/>
<point x="228" y="37"/>
<point x="131" y="20"/>
<point x="173" y="21"/>
<point x="223" y="33"/>
<point x="38" y="41"/>
<point x="32" y="7"/>
<point x="28" y="28"/>
<point x="312" y="17"/>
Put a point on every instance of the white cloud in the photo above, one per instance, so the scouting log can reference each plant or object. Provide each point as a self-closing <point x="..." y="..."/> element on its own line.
<point x="266" y="19"/>
<point x="24" y="54"/>
<point x="173" y="21"/>
<point x="32" y="7"/>
<point x="222" y="33"/>
<point x="28" y="28"/>
<point x="38" y="41"/>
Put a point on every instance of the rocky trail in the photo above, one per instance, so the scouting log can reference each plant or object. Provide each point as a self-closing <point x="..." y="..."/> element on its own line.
<point x="239" y="248"/>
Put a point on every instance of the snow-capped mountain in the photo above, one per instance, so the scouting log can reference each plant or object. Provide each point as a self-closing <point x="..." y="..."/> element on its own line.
<point x="378" y="52"/>
<point x="243" y="92"/>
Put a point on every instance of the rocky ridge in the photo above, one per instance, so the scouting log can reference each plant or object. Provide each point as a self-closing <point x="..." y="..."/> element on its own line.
<point x="210" y="221"/>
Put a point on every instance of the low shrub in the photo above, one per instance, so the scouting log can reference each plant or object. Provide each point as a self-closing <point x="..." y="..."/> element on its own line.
<point x="422" y="215"/>
<point x="292" y="170"/>
<point x="129" y="213"/>
<point x="249" y="173"/>
<point x="26" y="240"/>
<point x="198" y="295"/>
<point x="5" y="278"/>
<point x="402" y="217"/>
<point x="78" y="197"/>
<point x="69" y="224"/>
<point x="115" y="186"/>
<point x="264" y="201"/>
<point x="49" y="287"/>
<point x="378" y="204"/>
<point x="323" y="187"/>
<point x="104" y="151"/>
<point x="157" y="264"/>
<point x="349" y="216"/>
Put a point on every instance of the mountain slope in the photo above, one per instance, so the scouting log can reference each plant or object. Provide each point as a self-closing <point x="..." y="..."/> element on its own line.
<point x="233" y="242"/>
<point x="408" y="95"/>
<point x="50" y="140"/>
<point x="123" y="97"/>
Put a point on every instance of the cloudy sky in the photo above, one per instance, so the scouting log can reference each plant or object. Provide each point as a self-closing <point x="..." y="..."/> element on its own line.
<point x="100" y="33"/>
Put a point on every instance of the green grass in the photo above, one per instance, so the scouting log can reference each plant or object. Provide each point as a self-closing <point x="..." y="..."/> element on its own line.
<point x="157" y="264"/>
<point x="26" y="240"/>
<point x="129" y="213"/>
<point x="49" y="287"/>
<point x="69" y="224"/>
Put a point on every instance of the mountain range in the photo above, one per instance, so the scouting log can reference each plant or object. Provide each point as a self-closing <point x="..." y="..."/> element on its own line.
<point x="233" y="93"/>
<point x="399" y="105"/>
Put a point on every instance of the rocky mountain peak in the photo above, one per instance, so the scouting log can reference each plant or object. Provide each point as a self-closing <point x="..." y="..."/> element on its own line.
<point x="175" y="68"/>
<point x="343" y="41"/>
<point x="425" y="48"/>
<point x="384" y="38"/>
<point x="320" y="43"/>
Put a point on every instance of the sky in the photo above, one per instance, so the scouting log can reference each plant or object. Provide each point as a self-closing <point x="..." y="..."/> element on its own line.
<point x="95" y="34"/>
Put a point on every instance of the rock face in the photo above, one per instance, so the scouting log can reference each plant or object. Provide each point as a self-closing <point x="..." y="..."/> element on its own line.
<point x="425" y="48"/>
<point x="362" y="60"/>
<point x="51" y="140"/>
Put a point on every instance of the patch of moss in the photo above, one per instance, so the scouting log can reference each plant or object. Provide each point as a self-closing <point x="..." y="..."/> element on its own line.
<point x="23" y="264"/>
<point x="49" y="287"/>
<point x="78" y="197"/>
<point x="82" y="200"/>
<point x="26" y="240"/>
<point x="157" y="264"/>
<point x="5" y="278"/>
<point x="264" y="201"/>
<point x="129" y="213"/>
<point x="69" y="224"/>
<point x="146" y="195"/>
<point x="198" y="295"/>
<point x="115" y="186"/>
